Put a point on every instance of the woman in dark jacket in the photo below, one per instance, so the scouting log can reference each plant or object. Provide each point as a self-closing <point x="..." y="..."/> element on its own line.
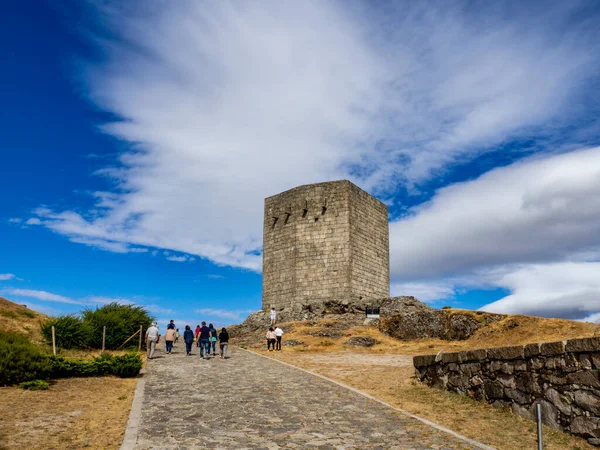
<point x="188" y="338"/>
<point x="223" y="341"/>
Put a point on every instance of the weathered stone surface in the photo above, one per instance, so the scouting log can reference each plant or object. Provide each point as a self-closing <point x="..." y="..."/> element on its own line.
<point x="565" y="384"/>
<point x="292" y="342"/>
<point x="588" y="401"/>
<point x="473" y="355"/>
<point x="324" y="241"/>
<point x="531" y="350"/>
<point x="258" y="403"/>
<point x="450" y="358"/>
<point x="423" y="360"/>
<point x="559" y="400"/>
<point x="590" y="344"/>
<point x="362" y="341"/>
<point x="587" y="426"/>
<point x="589" y="378"/>
<point x="515" y="352"/>
<point x="552" y="348"/>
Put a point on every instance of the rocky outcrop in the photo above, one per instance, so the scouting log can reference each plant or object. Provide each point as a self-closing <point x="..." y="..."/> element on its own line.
<point x="362" y="341"/>
<point x="563" y="377"/>
<point x="408" y="318"/>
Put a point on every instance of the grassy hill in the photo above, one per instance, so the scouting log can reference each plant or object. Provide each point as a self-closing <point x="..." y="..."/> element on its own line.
<point x="331" y="335"/>
<point x="20" y="319"/>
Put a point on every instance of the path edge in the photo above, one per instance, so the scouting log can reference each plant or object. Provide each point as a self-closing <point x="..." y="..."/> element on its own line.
<point x="135" y="415"/>
<point x="369" y="396"/>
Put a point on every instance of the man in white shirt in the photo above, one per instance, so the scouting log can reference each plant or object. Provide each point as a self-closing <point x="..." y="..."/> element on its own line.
<point x="278" y="334"/>
<point x="152" y="335"/>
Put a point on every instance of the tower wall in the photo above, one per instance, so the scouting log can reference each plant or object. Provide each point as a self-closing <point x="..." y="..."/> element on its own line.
<point x="325" y="241"/>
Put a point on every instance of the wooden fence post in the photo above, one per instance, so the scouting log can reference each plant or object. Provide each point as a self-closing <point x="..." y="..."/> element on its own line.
<point x="103" y="337"/>
<point x="53" y="341"/>
<point x="140" y="346"/>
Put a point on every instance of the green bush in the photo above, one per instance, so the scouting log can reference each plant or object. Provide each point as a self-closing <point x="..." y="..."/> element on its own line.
<point x="69" y="330"/>
<point x="20" y="360"/>
<point x="9" y="314"/>
<point x="121" y="321"/>
<point x="125" y="366"/>
<point x="35" y="385"/>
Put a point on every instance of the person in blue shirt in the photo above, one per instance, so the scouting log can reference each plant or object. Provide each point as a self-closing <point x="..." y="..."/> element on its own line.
<point x="204" y="340"/>
<point x="188" y="338"/>
<point x="213" y="339"/>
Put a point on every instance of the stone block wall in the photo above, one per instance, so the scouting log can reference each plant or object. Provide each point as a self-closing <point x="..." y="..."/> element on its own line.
<point x="324" y="242"/>
<point x="563" y="377"/>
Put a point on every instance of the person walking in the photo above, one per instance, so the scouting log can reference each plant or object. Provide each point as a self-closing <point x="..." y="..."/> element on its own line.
<point x="271" y="339"/>
<point x="177" y="335"/>
<point x="204" y="340"/>
<point x="169" y="339"/>
<point x="152" y="336"/>
<point x="273" y="316"/>
<point x="278" y="335"/>
<point x="223" y="342"/>
<point x="171" y="325"/>
<point x="188" y="338"/>
<point x="197" y="335"/>
<point x="213" y="339"/>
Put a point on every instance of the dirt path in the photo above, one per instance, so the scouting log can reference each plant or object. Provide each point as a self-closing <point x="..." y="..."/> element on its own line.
<point x="251" y="402"/>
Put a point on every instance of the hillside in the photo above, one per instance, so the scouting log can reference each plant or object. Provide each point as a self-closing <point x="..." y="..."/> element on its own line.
<point x="332" y="335"/>
<point x="15" y="317"/>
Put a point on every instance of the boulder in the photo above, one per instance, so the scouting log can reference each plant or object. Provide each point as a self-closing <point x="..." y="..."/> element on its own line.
<point x="362" y="341"/>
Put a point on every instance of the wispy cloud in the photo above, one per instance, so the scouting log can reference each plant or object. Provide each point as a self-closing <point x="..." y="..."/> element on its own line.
<point x="225" y="103"/>
<point x="215" y="277"/>
<point x="42" y="295"/>
<point x="182" y="258"/>
<point x="6" y="276"/>
<point x="33" y="221"/>
<point x="15" y="220"/>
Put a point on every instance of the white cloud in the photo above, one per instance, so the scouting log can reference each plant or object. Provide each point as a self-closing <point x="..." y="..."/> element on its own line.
<point x="568" y="289"/>
<point x="6" y="276"/>
<point x="226" y="103"/>
<point x="215" y="277"/>
<point x="237" y="315"/>
<point x="33" y="221"/>
<point x="182" y="258"/>
<point x="15" y="220"/>
<point x="42" y="295"/>
<point x="543" y="209"/>
<point x="101" y="300"/>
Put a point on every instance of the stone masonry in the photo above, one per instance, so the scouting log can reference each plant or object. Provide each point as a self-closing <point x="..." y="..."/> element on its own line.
<point x="563" y="377"/>
<point x="324" y="242"/>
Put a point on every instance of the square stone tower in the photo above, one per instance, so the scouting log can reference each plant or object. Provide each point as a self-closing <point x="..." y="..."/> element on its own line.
<point x="324" y="241"/>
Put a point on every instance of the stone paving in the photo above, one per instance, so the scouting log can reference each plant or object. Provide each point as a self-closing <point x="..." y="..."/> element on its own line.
<point x="250" y="402"/>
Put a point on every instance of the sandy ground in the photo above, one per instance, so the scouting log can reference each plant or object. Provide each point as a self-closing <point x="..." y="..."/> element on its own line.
<point x="74" y="413"/>
<point x="391" y="379"/>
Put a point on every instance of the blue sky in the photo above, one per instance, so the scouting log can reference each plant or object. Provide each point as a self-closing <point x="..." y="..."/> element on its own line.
<point x="138" y="143"/>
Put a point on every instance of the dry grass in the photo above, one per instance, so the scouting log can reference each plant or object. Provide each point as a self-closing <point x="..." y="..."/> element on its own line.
<point x="15" y="317"/>
<point x="390" y="378"/>
<point x="75" y="413"/>
<point x="513" y="330"/>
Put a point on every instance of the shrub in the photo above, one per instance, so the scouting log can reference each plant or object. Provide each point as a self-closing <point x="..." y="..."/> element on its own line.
<point x="446" y="307"/>
<point x="69" y="330"/>
<point x="121" y="321"/>
<point x="20" y="360"/>
<point x="35" y="385"/>
<point x="125" y="366"/>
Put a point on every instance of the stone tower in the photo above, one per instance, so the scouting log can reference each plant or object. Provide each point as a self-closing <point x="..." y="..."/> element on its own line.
<point x="324" y="241"/>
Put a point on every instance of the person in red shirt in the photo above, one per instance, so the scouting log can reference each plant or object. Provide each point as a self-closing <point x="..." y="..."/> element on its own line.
<point x="197" y="334"/>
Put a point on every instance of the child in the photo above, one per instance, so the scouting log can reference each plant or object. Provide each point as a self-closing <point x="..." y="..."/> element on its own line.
<point x="177" y="335"/>
<point x="223" y="341"/>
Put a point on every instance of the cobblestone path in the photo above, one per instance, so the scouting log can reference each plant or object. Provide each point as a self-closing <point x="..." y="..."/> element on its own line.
<point x="250" y="402"/>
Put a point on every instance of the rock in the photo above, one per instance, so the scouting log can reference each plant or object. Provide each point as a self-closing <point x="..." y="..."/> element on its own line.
<point x="583" y="345"/>
<point x="493" y="390"/>
<point x="594" y="441"/>
<point x="559" y="400"/>
<point x="549" y="413"/>
<point x="292" y="342"/>
<point x="589" y="378"/>
<point x="586" y="426"/>
<point x="588" y="401"/>
<point x="325" y="333"/>
<point x="553" y="348"/>
<point x="362" y="341"/>
<point x="514" y="352"/>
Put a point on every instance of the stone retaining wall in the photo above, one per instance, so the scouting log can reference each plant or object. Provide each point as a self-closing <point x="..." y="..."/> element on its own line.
<point x="563" y="377"/>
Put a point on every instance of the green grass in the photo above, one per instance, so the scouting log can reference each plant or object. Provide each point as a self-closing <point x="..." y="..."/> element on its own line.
<point x="35" y="385"/>
<point x="9" y="314"/>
